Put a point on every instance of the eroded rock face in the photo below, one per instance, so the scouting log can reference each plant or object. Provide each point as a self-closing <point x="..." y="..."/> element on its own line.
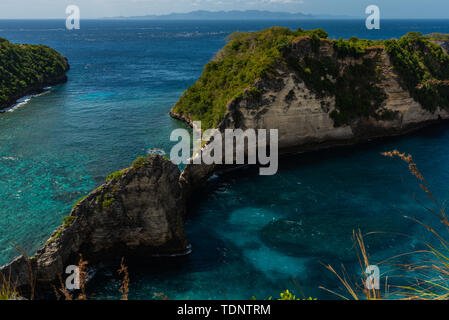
<point x="140" y="211"/>
<point x="303" y="117"/>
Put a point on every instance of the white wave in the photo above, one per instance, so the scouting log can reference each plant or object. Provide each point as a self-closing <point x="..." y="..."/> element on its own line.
<point x="24" y="100"/>
<point x="187" y="252"/>
<point x="156" y="151"/>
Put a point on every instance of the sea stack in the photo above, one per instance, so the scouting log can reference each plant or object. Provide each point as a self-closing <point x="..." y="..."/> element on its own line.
<point x="138" y="211"/>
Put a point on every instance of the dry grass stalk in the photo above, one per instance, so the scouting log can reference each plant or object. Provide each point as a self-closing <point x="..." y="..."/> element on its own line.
<point x="7" y="289"/>
<point x="65" y="292"/>
<point x="430" y="276"/>
<point x="82" y="267"/>
<point x="124" y="287"/>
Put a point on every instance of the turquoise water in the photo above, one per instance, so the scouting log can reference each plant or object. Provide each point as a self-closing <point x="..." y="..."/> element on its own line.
<point x="251" y="235"/>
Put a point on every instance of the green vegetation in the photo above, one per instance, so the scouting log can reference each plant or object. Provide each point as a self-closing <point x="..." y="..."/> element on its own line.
<point x="424" y="274"/>
<point x="354" y="47"/>
<point x="108" y="200"/>
<point x="288" y="296"/>
<point x="56" y="236"/>
<point x="26" y="66"/>
<point x="79" y="201"/>
<point x="357" y="94"/>
<point x="67" y="221"/>
<point x="437" y="36"/>
<point x="354" y="86"/>
<point x="249" y="56"/>
<point x="115" y="175"/>
<point x="423" y="67"/>
<point x="139" y="162"/>
<point x="245" y="58"/>
<point x="7" y="290"/>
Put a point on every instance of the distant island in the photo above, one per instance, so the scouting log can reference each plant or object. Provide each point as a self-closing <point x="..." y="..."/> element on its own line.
<point x="27" y="69"/>
<point x="235" y="15"/>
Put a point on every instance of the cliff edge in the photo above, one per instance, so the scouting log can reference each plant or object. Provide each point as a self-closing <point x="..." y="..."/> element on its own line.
<point x="319" y="92"/>
<point x="139" y="210"/>
<point x="27" y="69"/>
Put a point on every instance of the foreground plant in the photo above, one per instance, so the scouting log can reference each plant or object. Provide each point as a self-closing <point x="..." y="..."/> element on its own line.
<point x="124" y="287"/>
<point x="7" y="289"/>
<point x="360" y="290"/>
<point x="287" y="295"/>
<point x="431" y="274"/>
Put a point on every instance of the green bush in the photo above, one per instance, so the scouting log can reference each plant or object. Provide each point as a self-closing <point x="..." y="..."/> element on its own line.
<point x="56" y="236"/>
<point x="115" y="175"/>
<point x="286" y="295"/>
<point x="67" y="221"/>
<point x="355" y="90"/>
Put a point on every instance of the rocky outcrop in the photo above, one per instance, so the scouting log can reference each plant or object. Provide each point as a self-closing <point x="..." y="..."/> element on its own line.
<point x="302" y="115"/>
<point x="28" y="69"/>
<point x="443" y="44"/>
<point x="34" y="89"/>
<point x="139" y="211"/>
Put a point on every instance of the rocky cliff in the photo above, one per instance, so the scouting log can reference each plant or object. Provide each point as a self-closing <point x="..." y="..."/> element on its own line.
<point x="138" y="211"/>
<point x="319" y="92"/>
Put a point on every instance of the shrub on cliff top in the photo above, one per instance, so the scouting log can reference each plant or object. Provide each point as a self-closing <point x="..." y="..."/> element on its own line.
<point x="245" y="58"/>
<point x="423" y="67"/>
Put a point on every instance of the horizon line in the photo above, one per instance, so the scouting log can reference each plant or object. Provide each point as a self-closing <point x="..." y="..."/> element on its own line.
<point x="143" y="18"/>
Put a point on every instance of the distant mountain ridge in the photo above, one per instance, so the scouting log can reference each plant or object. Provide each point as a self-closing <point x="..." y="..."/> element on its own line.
<point x="234" y="15"/>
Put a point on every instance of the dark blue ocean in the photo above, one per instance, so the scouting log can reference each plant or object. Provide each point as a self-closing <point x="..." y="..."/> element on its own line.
<point x="250" y="235"/>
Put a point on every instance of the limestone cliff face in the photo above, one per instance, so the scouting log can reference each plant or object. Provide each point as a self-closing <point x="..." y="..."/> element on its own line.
<point x="303" y="116"/>
<point x="443" y="44"/>
<point x="140" y="211"/>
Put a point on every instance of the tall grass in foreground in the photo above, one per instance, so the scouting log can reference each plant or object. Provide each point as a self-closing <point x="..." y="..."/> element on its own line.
<point x="62" y="292"/>
<point x="7" y="289"/>
<point x="428" y="279"/>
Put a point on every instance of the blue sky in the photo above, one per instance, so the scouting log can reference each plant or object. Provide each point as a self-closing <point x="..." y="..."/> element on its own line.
<point x="105" y="8"/>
